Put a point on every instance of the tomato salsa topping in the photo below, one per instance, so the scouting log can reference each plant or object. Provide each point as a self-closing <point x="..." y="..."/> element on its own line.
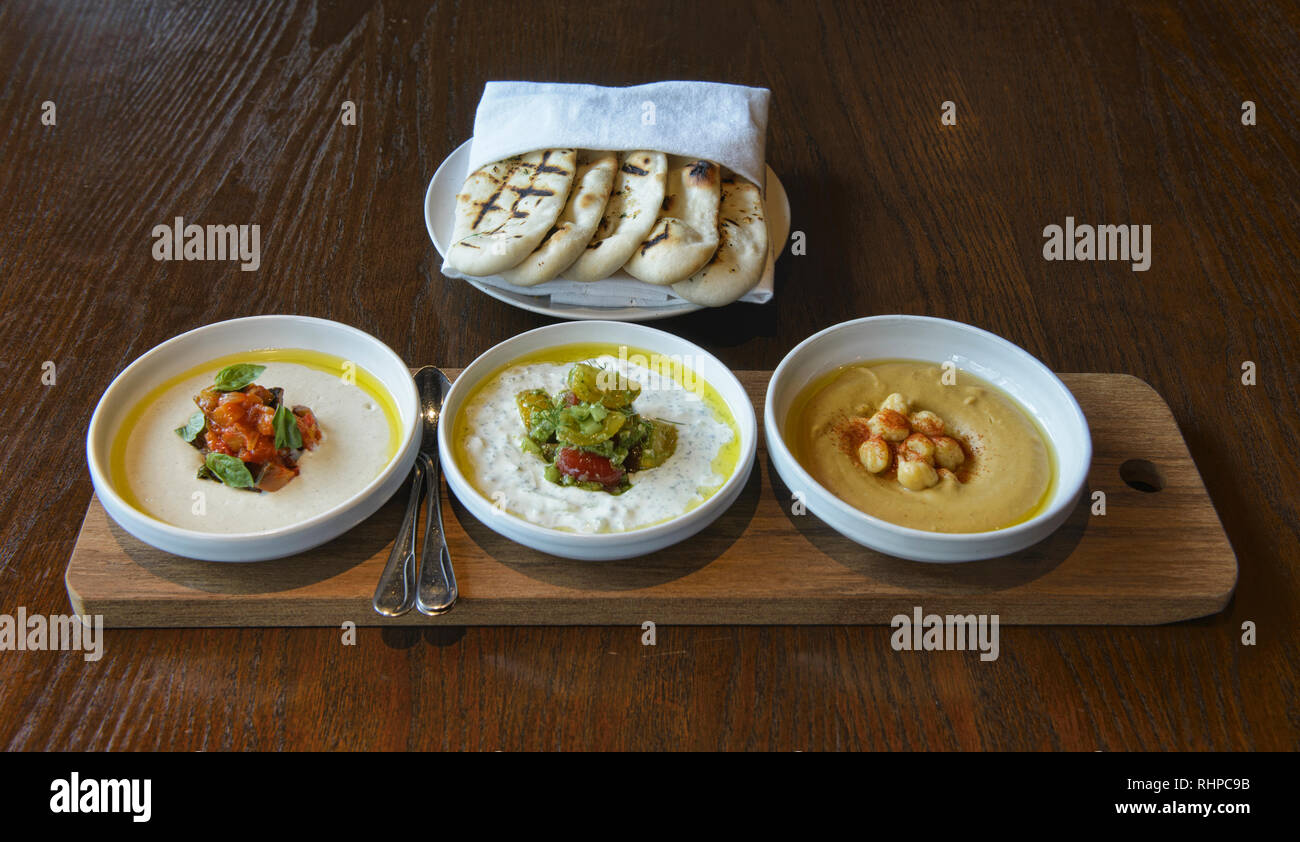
<point x="248" y="437"/>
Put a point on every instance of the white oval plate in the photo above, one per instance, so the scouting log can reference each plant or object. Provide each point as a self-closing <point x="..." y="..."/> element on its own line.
<point x="440" y="221"/>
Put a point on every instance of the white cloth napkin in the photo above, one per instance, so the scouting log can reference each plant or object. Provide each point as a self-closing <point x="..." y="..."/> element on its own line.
<point x="726" y="124"/>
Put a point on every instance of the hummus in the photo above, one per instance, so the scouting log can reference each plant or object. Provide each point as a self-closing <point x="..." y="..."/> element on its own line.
<point x="489" y="436"/>
<point x="992" y="467"/>
<point x="155" y="469"/>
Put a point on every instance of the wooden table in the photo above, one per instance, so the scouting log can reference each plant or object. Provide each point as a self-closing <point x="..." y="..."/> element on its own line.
<point x="224" y="113"/>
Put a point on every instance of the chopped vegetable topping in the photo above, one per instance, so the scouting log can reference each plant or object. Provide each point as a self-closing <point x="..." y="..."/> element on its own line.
<point x="248" y="437"/>
<point x="589" y="435"/>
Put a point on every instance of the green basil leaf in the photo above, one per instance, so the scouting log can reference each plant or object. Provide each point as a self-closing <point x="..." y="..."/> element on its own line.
<point x="193" y="427"/>
<point x="204" y="473"/>
<point x="229" y="470"/>
<point x="235" y="377"/>
<point x="287" y="433"/>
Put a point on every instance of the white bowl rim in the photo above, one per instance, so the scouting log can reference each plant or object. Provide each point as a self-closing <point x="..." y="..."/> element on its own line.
<point x="100" y="477"/>
<point x="1075" y="481"/>
<point x="749" y="446"/>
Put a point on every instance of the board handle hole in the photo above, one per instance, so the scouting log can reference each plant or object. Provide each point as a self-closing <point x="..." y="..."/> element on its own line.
<point x="1142" y="475"/>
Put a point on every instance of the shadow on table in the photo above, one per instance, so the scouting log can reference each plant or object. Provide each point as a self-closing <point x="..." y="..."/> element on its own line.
<point x="994" y="574"/>
<point x="404" y="637"/>
<point x="644" y="571"/>
<point x="348" y="550"/>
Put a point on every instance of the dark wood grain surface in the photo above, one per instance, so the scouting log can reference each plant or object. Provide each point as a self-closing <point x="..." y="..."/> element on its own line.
<point x="229" y="113"/>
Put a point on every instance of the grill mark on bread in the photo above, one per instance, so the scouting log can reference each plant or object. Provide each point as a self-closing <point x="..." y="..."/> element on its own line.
<point x="484" y="207"/>
<point x="631" y="169"/>
<point x="655" y="240"/>
<point x="523" y="192"/>
<point x="545" y="167"/>
<point x="509" y="202"/>
<point x="526" y="190"/>
<point x="542" y="166"/>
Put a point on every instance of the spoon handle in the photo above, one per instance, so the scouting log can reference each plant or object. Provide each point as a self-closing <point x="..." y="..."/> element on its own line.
<point x="395" y="593"/>
<point x="437" y="591"/>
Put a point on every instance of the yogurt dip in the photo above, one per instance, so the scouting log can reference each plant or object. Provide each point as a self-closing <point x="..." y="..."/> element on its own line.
<point x="155" y="469"/>
<point x="488" y="437"/>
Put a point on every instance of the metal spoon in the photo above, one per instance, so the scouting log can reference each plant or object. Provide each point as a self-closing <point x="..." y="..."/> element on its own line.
<point x="437" y="591"/>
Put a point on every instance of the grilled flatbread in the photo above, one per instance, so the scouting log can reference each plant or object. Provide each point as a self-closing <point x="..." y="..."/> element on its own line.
<point x="505" y="209"/>
<point x="685" y="235"/>
<point x="742" y="251"/>
<point x="631" y="211"/>
<point x="568" y="239"/>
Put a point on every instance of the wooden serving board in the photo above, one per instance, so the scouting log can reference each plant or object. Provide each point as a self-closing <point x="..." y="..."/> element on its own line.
<point x="1154" y="557"/>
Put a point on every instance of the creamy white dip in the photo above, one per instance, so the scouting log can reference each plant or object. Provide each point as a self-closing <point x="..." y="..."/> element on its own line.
<point x="509" y="476"/>
<point x="160" y="467"/>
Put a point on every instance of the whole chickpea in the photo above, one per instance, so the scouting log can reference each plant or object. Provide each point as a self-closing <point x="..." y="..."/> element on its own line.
<point x="889" y="425"/>
<point x="927" y="422"/>
<point x="917" y="476"/>
<point x="874" y="454"/>
<point x="948" y="453"/>
<point x="917" y="447"/>
<point x="896" y="403"/>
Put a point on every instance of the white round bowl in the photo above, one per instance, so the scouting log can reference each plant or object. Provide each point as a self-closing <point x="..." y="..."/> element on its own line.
<point x="196" y="347"/>
<point x="1007" y="366"/>
<point x="612" y="545"/>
